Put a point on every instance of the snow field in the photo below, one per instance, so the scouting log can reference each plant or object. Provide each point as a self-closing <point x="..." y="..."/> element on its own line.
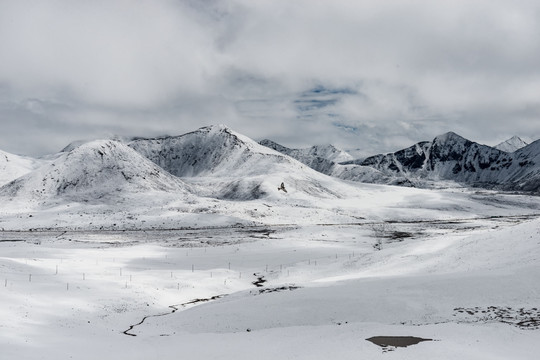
<point x="328" y="289"/>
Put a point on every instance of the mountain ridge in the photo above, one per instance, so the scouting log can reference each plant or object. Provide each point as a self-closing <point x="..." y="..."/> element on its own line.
<point x="247" y="169"/>
<point x="452" y="157"/>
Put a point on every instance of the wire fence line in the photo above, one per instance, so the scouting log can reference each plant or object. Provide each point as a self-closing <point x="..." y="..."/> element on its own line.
<point x="68" y="271"/>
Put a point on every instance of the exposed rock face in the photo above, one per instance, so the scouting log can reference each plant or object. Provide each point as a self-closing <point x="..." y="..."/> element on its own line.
<point x="452" y="157"/>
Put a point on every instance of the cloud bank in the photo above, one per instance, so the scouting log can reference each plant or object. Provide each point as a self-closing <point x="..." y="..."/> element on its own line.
<point x="368" y="75"/>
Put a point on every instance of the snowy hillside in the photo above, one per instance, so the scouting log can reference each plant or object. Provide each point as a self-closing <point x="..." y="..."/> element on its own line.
<point x="513" y="144"/>
<point x="214" y="150"/>
<point x="13" y="166"/>
<point x="452" y="157"/>
<point x="224" y="164"/>
<point x="93" y="172"/>
<point x="468" y="286"/>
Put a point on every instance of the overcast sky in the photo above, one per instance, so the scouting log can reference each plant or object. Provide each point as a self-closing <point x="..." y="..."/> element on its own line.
<point x="370" y="75"/>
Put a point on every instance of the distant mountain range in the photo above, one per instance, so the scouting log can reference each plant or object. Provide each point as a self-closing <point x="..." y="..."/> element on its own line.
<point x="219" y="163"/>
<point x="448" y="157"/>
<point x="452" y="157"/>
<point x="334" y="162"/>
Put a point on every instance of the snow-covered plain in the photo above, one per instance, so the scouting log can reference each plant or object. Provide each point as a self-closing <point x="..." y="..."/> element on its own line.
<point x="455" y="266"/>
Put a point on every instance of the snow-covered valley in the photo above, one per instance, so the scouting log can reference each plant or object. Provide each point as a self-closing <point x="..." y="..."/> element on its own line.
<point x="146" y="251"/>
<point x="471" y="285"/>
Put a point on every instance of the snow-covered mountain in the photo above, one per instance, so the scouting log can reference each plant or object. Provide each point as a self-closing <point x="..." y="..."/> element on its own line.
<point x="95" y="171"/>
<point x="213" y="150"/>
<point x="331" y="161"/>
<point x="224" y="164"/>
<point x="316" y="153"/>
<point x="513" y="144"/>
<point x="217" y="163"/>
<point x="320" y="158"/>
<point x="452" y="157"/>
<point x="526" y="169"/>
<point x="13" y="166"/>
<point x="73" y="145"/>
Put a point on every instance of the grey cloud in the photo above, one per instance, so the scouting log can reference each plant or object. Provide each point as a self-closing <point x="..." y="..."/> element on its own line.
<point x="370" y="74"/>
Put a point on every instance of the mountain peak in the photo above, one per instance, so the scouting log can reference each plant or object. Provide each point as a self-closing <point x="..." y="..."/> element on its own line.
<point x="208" y="150"/>
<point x="511" y="145"/>
<point x="449" y="137"/>
<point x="217" y="127"/>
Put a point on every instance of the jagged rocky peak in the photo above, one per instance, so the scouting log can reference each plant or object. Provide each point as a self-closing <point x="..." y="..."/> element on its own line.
<point x="513" y="144"/>
<point x="450" y="138"/>
<point x="452" y="157"/>
<point x="449" y="146"/>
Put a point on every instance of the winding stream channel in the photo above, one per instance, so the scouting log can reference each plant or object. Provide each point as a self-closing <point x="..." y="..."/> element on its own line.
<point x="174" y="309"/>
